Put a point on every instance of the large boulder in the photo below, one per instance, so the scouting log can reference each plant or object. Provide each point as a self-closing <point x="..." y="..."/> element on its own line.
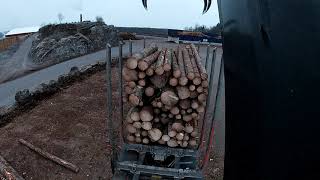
<point x="61" y="42"/>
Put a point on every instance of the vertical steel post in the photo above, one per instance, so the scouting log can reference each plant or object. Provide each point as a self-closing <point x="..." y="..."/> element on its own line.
<point x="144" y="42"/>
<point x="199" y="47"/>
<point x="109" y="99"/>
<point x="212" y="122"/>
<point x="212" y="91"/>
<point x="207" y="57"/>
<point x="214" y="55"/>
<point x="130" y="47"/>
<point x="120" y="85"/>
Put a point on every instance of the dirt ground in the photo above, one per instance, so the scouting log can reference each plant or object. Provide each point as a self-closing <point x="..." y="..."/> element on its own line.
<point x="72" y="125"/>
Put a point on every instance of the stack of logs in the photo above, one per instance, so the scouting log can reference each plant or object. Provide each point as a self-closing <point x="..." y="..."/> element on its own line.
<point x="168" y="91"/>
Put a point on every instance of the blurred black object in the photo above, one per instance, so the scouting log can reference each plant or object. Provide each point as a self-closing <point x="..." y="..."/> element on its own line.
<point x="272" y="75"/>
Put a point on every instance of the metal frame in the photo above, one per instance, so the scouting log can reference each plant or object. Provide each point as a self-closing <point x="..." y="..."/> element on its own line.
<point x="136" y="168"/>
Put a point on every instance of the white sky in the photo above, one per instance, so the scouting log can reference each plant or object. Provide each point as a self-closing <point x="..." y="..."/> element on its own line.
<point x="161" y="13"/>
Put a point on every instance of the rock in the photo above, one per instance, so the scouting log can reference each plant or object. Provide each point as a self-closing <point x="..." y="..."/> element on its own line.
<point x="60" y="42"/>
<point x="23" y="97"/>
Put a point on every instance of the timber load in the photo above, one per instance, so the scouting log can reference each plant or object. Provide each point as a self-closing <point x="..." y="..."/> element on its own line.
<point x="167" y="91"/>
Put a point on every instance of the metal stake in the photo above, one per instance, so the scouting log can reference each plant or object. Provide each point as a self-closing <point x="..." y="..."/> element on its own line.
<point x="120" y="87"/>
<point x="109" y="99"/>
<point x="144" y="42"/>
<point x="212" y="91"/>
<point x="214" y="54"/>
<point x="130" y="47"/>
<point x="207" y="58"/>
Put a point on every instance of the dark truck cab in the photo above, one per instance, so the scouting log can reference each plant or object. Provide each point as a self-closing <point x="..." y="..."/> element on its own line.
<point x="272" y="75"/>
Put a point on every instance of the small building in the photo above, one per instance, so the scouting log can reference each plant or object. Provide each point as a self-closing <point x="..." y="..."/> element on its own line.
<point x="17" y="32"/>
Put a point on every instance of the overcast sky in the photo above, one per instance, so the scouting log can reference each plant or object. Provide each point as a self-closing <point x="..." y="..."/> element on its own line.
<point x="161" y="13"/>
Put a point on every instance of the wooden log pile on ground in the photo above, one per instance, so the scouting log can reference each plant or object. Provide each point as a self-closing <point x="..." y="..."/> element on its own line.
<point x="167" y="89"/>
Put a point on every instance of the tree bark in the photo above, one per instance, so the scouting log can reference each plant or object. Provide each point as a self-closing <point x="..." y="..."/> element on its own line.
<point x="146" y="62"/>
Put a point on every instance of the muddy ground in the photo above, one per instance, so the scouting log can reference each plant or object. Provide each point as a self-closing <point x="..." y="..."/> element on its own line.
<point x="72" y="125"/>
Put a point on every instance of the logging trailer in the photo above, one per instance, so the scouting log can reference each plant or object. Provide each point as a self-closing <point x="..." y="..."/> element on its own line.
<point x="143" y="160"/>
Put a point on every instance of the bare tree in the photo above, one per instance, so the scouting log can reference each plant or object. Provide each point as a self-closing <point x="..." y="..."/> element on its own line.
<point x="60" y="17"/>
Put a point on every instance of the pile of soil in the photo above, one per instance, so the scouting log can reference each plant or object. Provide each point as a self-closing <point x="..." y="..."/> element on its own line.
<point x="59" y="42"/>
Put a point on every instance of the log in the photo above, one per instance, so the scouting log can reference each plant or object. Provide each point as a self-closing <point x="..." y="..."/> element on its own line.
<point x="145" y="141"/>
<point x="51" y="157"/>
<point x="185" y="104"/>
<point x="171" y="115"/>
<point x="183" y="112"/>
<point x="173" y="82"/>
<point x="183" y="80"/>
<point x="187" y="118"/>
<point x="165" y="138"/>
<point x="189" y="110"/>
<point x="186" y="137"/>
<point x="202" y="98"/>
<point x="177" y="126"/>
<point x="175" y="110"/>
<point x="171" y="132"/>
<point x="146" y="62"/>
<point x="162" y="142"/>
<point x="131" y="129"/>
<point x="155" y="134"/>
<point x="188" y="128"/>
<point x="149" y="91"/>
<point x="175" y="66"/>
<point x="138" y="133"/>
<point x="160" y="81"/>
<point x="159" y="63"/>
<point x="142" y="82"/>
<point x="146" y="113"/>
<point x="178" y="116"/>
<point x="130" y="138"/>
<point x="200" y="109"/>
<point x="136" y="98"/>
<point x="134" y="114"/>
<point x="141" y="75"/>
<point x="128" y="90"/>
<point x="195" y="104"/>
<point x="137" y="125"/>
<point x="169" y="98"/>
<point x="200" y="89"/>
<point x="194" y="134"/>
<point x="184" y="144"/>
<point x="167" y="61"/>
<point x="156" y="120"/>
<point x="202" y="70"/>
<point x="205" y="83"/>
<point x="129" y="75"/>
<point x="197" y="78"/>
<point x="172" y="143"/>
<point x="138" y="140"/>
<point x="146" y="126"/>
<point x="193" y="142"/>
<point x="132" y="84"/>
<point x="192" y="87"/>
<point x="194" y="94"/>
<point x="188" y="64"/>
<point x="150" y="70"/>
<point x="180" y="136"/>
<point x="7" y="171"/>
<point x="132" y="62"/>
<point x="183" y="92"/>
